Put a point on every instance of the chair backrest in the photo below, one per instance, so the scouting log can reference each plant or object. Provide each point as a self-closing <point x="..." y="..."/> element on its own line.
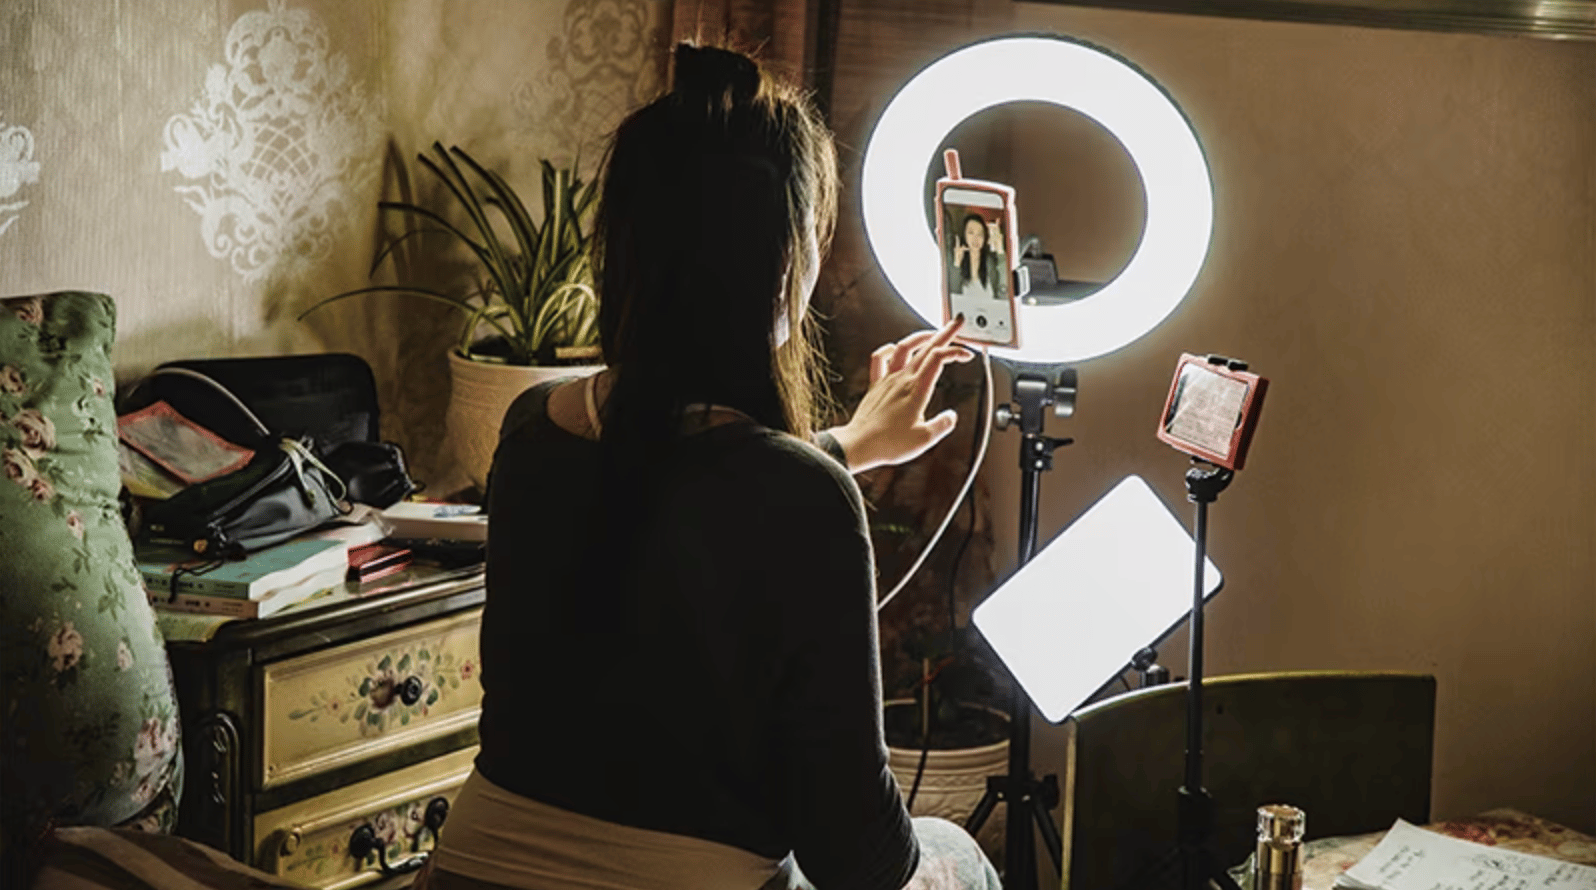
<point x="1351" y="749"/>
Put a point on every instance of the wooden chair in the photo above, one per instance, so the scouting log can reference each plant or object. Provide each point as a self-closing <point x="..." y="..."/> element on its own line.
<point x="1351" y="749"/>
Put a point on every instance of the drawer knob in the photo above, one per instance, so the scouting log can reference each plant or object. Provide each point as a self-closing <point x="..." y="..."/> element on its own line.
<point x="410" y="690"/>
<point x="364" y="842"/>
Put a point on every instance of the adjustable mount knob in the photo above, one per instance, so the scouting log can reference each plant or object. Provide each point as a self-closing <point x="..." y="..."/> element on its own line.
<point x="1003" y="416"/>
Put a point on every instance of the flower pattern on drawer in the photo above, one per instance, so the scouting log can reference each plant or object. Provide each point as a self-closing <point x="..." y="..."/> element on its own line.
<point x="399" y="829"/>
<point x="376" y="698"/>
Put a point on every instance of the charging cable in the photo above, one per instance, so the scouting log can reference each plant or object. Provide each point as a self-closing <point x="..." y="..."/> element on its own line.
<point x="975" y="467"/>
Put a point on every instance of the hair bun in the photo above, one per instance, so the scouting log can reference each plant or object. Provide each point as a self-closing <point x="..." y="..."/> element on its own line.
<point x="714" y="73"/>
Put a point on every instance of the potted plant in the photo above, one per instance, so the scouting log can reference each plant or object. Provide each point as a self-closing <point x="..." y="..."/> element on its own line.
<point x="946" y="737"/>
<point x="530" y="311"/>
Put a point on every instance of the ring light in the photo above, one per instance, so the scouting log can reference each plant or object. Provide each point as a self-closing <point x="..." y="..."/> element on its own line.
<point x="1087" y="79"/>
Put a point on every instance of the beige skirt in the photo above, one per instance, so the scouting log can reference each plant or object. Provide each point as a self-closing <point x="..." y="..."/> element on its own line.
<point x="499" y="838"/>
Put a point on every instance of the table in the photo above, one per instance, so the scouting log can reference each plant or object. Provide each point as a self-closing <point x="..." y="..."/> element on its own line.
<point x="352" y="712"/>
<point x="1326" y="858"/>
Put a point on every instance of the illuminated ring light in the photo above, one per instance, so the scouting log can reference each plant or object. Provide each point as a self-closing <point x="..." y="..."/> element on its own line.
<point x="1105" y="88"/>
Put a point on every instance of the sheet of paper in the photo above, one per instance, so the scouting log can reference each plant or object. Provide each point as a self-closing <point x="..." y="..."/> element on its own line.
<point x="1410" y="858"/>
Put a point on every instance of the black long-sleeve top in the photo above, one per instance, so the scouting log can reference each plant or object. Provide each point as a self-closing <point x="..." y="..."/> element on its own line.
<point x="733" y="693"/>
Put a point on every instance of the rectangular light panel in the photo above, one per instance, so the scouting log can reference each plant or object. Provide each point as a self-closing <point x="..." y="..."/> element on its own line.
<point x="1116" y="580"/>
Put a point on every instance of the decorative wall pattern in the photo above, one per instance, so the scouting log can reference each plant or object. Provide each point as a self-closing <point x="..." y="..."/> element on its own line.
<point x="17" y="169"/>
<point x="277" y="146"/>
<point x="601" y="65"/>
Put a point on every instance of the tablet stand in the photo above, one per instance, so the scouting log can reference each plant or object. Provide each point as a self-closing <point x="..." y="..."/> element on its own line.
<point x="1195" y="814"/>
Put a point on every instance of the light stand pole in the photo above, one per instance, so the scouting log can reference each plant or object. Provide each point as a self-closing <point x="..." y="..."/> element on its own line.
<point x="1036" y="388"/>
<point x="1195" y="814"/>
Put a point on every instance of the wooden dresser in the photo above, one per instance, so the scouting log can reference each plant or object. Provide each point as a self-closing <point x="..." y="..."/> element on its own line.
<point x="324" y="743"/>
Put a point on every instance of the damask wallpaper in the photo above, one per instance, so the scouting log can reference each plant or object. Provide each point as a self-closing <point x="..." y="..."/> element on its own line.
<point x="215" y="165"/>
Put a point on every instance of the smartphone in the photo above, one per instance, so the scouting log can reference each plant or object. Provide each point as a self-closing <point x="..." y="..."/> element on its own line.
<point x="981" y="273"/>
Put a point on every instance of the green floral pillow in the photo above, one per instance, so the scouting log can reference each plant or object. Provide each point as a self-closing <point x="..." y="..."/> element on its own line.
<point x="88" y="718"/>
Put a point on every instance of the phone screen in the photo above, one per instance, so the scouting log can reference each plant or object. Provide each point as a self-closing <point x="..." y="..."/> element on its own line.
<point x="975" y="243"/>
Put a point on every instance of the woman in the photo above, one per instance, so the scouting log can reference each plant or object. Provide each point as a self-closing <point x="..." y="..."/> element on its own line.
<point x="679" y="645"/>
<point x="978" y="259"/>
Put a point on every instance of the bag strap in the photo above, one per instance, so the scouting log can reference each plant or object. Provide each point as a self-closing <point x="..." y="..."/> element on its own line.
<point x="298" y="454"/>
<point x="187" y="372"/>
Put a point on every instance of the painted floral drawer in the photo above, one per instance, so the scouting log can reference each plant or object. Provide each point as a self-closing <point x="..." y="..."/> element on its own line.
<point x="344" y="838"/>
<point x="360" y="700"/>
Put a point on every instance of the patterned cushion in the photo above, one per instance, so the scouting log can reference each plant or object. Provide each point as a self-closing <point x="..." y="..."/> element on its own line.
<point x="88" y="717"/>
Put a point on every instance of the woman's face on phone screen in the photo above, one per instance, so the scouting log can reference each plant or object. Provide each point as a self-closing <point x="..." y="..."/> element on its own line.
<point x="974" y="235"/>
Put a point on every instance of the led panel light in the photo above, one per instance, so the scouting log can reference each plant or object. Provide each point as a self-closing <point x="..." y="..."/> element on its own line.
<point x="1078" y="76"/>
<point x="1116" y="580"/>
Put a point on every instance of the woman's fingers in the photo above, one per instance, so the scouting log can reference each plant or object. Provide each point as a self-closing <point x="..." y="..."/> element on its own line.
<point x="879" y="360"/>
<point x="903" y="350"/>
<point x="931" y="370"/>
<point x="908" y="353"/>
<point x="938" y="341"/>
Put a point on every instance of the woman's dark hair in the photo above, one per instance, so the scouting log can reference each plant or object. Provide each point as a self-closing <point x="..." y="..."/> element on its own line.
<point x="709" y="196"/>
<point x="986" y="250"/>
<point x="709" y="193"/>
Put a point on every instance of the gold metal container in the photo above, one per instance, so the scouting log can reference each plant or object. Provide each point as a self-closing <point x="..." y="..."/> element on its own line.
<point x="1277" y="861"/>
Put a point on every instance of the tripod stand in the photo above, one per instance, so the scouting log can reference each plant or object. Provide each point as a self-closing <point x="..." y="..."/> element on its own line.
<point x="1036" y="387"/>
<point x="1195" y="814"/>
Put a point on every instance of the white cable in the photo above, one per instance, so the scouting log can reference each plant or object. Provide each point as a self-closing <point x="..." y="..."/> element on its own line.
<point x="975" y="467"/>
<point x="186" y="372"/>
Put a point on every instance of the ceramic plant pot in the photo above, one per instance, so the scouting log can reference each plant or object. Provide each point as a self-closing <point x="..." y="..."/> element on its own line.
<point x="953" y="783"/>
<point x="480" y="393"/>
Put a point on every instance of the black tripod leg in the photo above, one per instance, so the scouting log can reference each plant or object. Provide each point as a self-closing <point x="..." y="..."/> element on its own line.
<point x="1151" y="874"/>
<point x="1215" y="872"/>
<point x="983" y="807"/>
<point x="1055" y="847"/>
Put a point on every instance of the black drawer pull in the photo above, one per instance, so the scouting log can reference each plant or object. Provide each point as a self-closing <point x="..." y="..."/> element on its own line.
<point x="364" y="842"/>
<point x="410" y="690"/>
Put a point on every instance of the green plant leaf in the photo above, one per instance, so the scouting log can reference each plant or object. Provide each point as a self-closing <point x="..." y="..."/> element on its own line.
<point x="491" y="315"/>
<point x="523" y="283"/>
<point x="498" y="264"/>
<point x="432" y="295"/>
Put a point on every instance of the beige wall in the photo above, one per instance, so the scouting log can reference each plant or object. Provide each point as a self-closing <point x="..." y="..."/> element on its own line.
<point x="117" y="117"/>
<point x="1405" y="244"/>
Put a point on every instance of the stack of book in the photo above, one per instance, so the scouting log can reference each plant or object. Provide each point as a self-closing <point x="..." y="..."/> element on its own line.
<point x="368" y="545"/>
<point x="261" y="584"/>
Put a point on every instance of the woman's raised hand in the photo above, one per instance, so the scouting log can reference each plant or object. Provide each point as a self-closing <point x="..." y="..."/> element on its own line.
<point x="890" y="426"/>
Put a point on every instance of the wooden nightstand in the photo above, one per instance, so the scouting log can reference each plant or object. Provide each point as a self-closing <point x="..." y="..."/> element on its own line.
<point x="352" y="715"/>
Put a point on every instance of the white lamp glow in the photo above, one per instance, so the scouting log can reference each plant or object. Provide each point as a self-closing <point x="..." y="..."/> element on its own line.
<point x="1118" y="579"/>
<point x="1095" y="83"/>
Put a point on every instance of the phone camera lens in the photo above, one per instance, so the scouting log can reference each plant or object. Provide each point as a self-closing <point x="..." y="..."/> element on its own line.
<point x="980" y="321"/>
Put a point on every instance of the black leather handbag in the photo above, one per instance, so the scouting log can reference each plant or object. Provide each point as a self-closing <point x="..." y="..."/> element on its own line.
<point x="284" y="490"/>
<point x="312" y="421"/>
